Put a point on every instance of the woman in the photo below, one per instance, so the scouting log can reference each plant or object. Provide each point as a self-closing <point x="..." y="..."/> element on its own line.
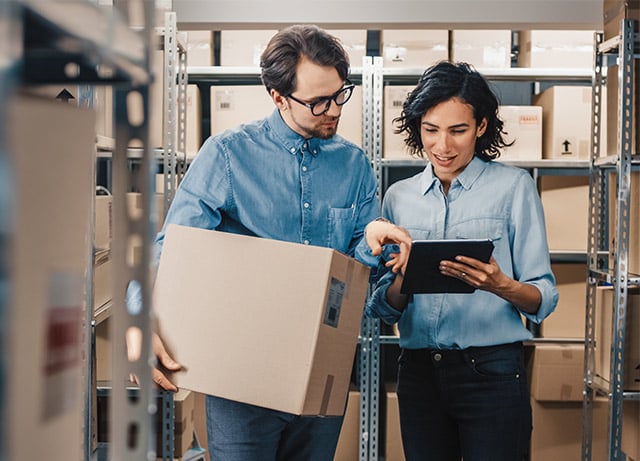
<point x="462" y="386"/>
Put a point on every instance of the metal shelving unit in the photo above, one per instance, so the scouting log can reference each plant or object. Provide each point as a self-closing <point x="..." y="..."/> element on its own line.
<point x="626" y="47"/>
<point x="77" y="42"/>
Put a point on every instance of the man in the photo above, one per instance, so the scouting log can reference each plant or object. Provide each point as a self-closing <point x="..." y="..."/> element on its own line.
<point x="288" y="177"/>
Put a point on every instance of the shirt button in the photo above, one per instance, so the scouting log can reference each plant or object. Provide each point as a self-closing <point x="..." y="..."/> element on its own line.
<point x="306" y="205"/>
<point x="306" y="145"/>
<point x="315" y="151"/>
<point x="292" y="150"/>
<point x="304" y="168"/>
<point x="437" y="356"/>
<point x="306" y="242"/>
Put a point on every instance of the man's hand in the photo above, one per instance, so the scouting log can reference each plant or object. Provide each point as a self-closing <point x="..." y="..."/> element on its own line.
<point x="165" y="361"/>
<point x="382" y="232"/>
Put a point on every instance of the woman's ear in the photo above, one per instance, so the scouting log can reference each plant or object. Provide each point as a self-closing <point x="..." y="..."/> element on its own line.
<point x="481" y="128"/>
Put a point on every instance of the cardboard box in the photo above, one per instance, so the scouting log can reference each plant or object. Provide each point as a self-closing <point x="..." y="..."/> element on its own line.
<point x="482" y="48"/>
<point x="566" y="211"/>
<point x="103" y="350"/>
<point x="631" y="429"/>
<point x="557" y="431"/>
<point x="51" y="148"/>
<point x="523" y="124"/>
<point x="557" y="372"/>
<point x="103" y="222"/>
<point x="612" y="108"/>
<point x="393" y="144"/>
<point x="183" y="414"/>
<point x="348" y="448"/>
<point x="232" y="105"/>
<point x="566" y="126"/>
<point x="102" y="291"/>
<point x="603" y="334"/>
<point x="194" y="122"/>
<point x="291" y="313"/>
<point x="633" y="243"/>
<point x="354" y="42"/>
<point x="415" y="48"/>
<point x="199" y="48"/>
<point x="556" y="49"/>
<point x="243" y="47"/>
<point x="393" y="440"/>
<point x="617" y="10"/>
<point x="567" y="321"/>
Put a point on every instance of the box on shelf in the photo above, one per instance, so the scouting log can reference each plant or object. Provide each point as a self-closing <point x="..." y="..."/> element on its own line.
<point x="348" y="447"/>
<point x="393" y="440"/>
<point x="560" y="49"/>
<point x="233" y="105"/>
<point x="304" y="336"/>
<point x="557" y="430"/>
<point x="611" y="147"/>
<point x="414" y="48"/>
<point x="556" y="372"/>
<point x="482" y="48"/>
<point x="603" y="332"/>
<point x="52" y="151"/>
<point x="631" y="429"/>
<point x="523" y="124"/>
<point x="633" y="243"/>
<point x="565" y="200"/>
<point x="354" y="42"/>
<point x="194" y="121"/>
<point x="566" y="122"/>
<point x="243" y="47"/>
<point x="102" y="227"/>
<point x="567" y="321"/>
<point x="101" y="278"/>
<point x="103" y="350"/>
<point x="183" y="416"/>
<point x="393" y="144"/>
<point x="199" y="44"/>
<point x="614" y="11"/>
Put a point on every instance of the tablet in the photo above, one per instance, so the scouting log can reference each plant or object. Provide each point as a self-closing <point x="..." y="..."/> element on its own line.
<point x="422" y="274"/>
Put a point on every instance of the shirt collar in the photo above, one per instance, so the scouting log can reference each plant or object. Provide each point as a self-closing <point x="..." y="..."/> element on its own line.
<point x="466" y="179"/>
<point x="292" y="141"/>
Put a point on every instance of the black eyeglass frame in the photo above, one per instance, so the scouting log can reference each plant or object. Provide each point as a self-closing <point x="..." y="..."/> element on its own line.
<point x="327" y="100"/>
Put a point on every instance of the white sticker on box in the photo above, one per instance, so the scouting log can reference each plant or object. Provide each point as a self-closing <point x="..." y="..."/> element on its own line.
<point x="334" y="303"/>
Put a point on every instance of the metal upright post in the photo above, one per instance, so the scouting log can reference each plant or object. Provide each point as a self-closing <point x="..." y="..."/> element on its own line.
<point x="623" y="167"/>
<point x="594" y="243"/>
<point x="132" y="416"/>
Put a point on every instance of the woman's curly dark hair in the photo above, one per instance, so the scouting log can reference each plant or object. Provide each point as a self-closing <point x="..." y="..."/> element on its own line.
<point x="441" y="82"/>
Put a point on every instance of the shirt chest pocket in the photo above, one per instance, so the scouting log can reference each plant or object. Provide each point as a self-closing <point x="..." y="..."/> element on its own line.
<point x="341" y="227"/>
<point x="478" y="228"/>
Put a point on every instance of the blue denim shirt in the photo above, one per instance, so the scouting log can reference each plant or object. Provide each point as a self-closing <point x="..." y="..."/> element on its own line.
<point x="487" y="200"/>
<point x="263" y="179"/>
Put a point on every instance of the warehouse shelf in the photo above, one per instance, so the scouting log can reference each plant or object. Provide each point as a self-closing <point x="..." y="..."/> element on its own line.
<point x="625" y="47"/>
<point x="60" y="32"/>
<point x="240" y="75"/>
<point x="411" y="75"/>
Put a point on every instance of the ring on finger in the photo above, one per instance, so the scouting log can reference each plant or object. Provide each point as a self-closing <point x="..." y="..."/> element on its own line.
<point x="463" y="275"/>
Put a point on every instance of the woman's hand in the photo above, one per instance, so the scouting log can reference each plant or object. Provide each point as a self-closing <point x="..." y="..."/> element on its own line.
<point x="382" y="232"/>
<point x="489" y="277"/>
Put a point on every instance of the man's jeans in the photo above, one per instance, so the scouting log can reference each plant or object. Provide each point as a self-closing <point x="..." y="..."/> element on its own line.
<point x="243" y="432"/>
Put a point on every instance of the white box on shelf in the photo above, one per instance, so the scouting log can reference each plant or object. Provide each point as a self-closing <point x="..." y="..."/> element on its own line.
<point x="523" y="124"/>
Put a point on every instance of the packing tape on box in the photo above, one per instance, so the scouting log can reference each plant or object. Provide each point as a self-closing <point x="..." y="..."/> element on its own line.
<point x="326" y="395"/>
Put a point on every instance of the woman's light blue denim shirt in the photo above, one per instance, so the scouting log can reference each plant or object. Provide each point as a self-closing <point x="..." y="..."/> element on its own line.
<point x="487" y="200"/>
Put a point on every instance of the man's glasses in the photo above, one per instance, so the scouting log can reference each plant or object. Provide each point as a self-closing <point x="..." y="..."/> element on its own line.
<point x="322" y="105"/>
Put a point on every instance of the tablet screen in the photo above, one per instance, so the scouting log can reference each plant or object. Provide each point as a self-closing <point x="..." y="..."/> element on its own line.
<point x="422" y="274"/>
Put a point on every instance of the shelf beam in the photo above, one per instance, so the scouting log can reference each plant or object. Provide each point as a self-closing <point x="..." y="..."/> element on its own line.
<point x="390" y="14"/>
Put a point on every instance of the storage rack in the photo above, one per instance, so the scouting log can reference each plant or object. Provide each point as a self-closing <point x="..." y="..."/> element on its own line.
<point x="80" y="43"/>
<point x="626" y="47"/>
